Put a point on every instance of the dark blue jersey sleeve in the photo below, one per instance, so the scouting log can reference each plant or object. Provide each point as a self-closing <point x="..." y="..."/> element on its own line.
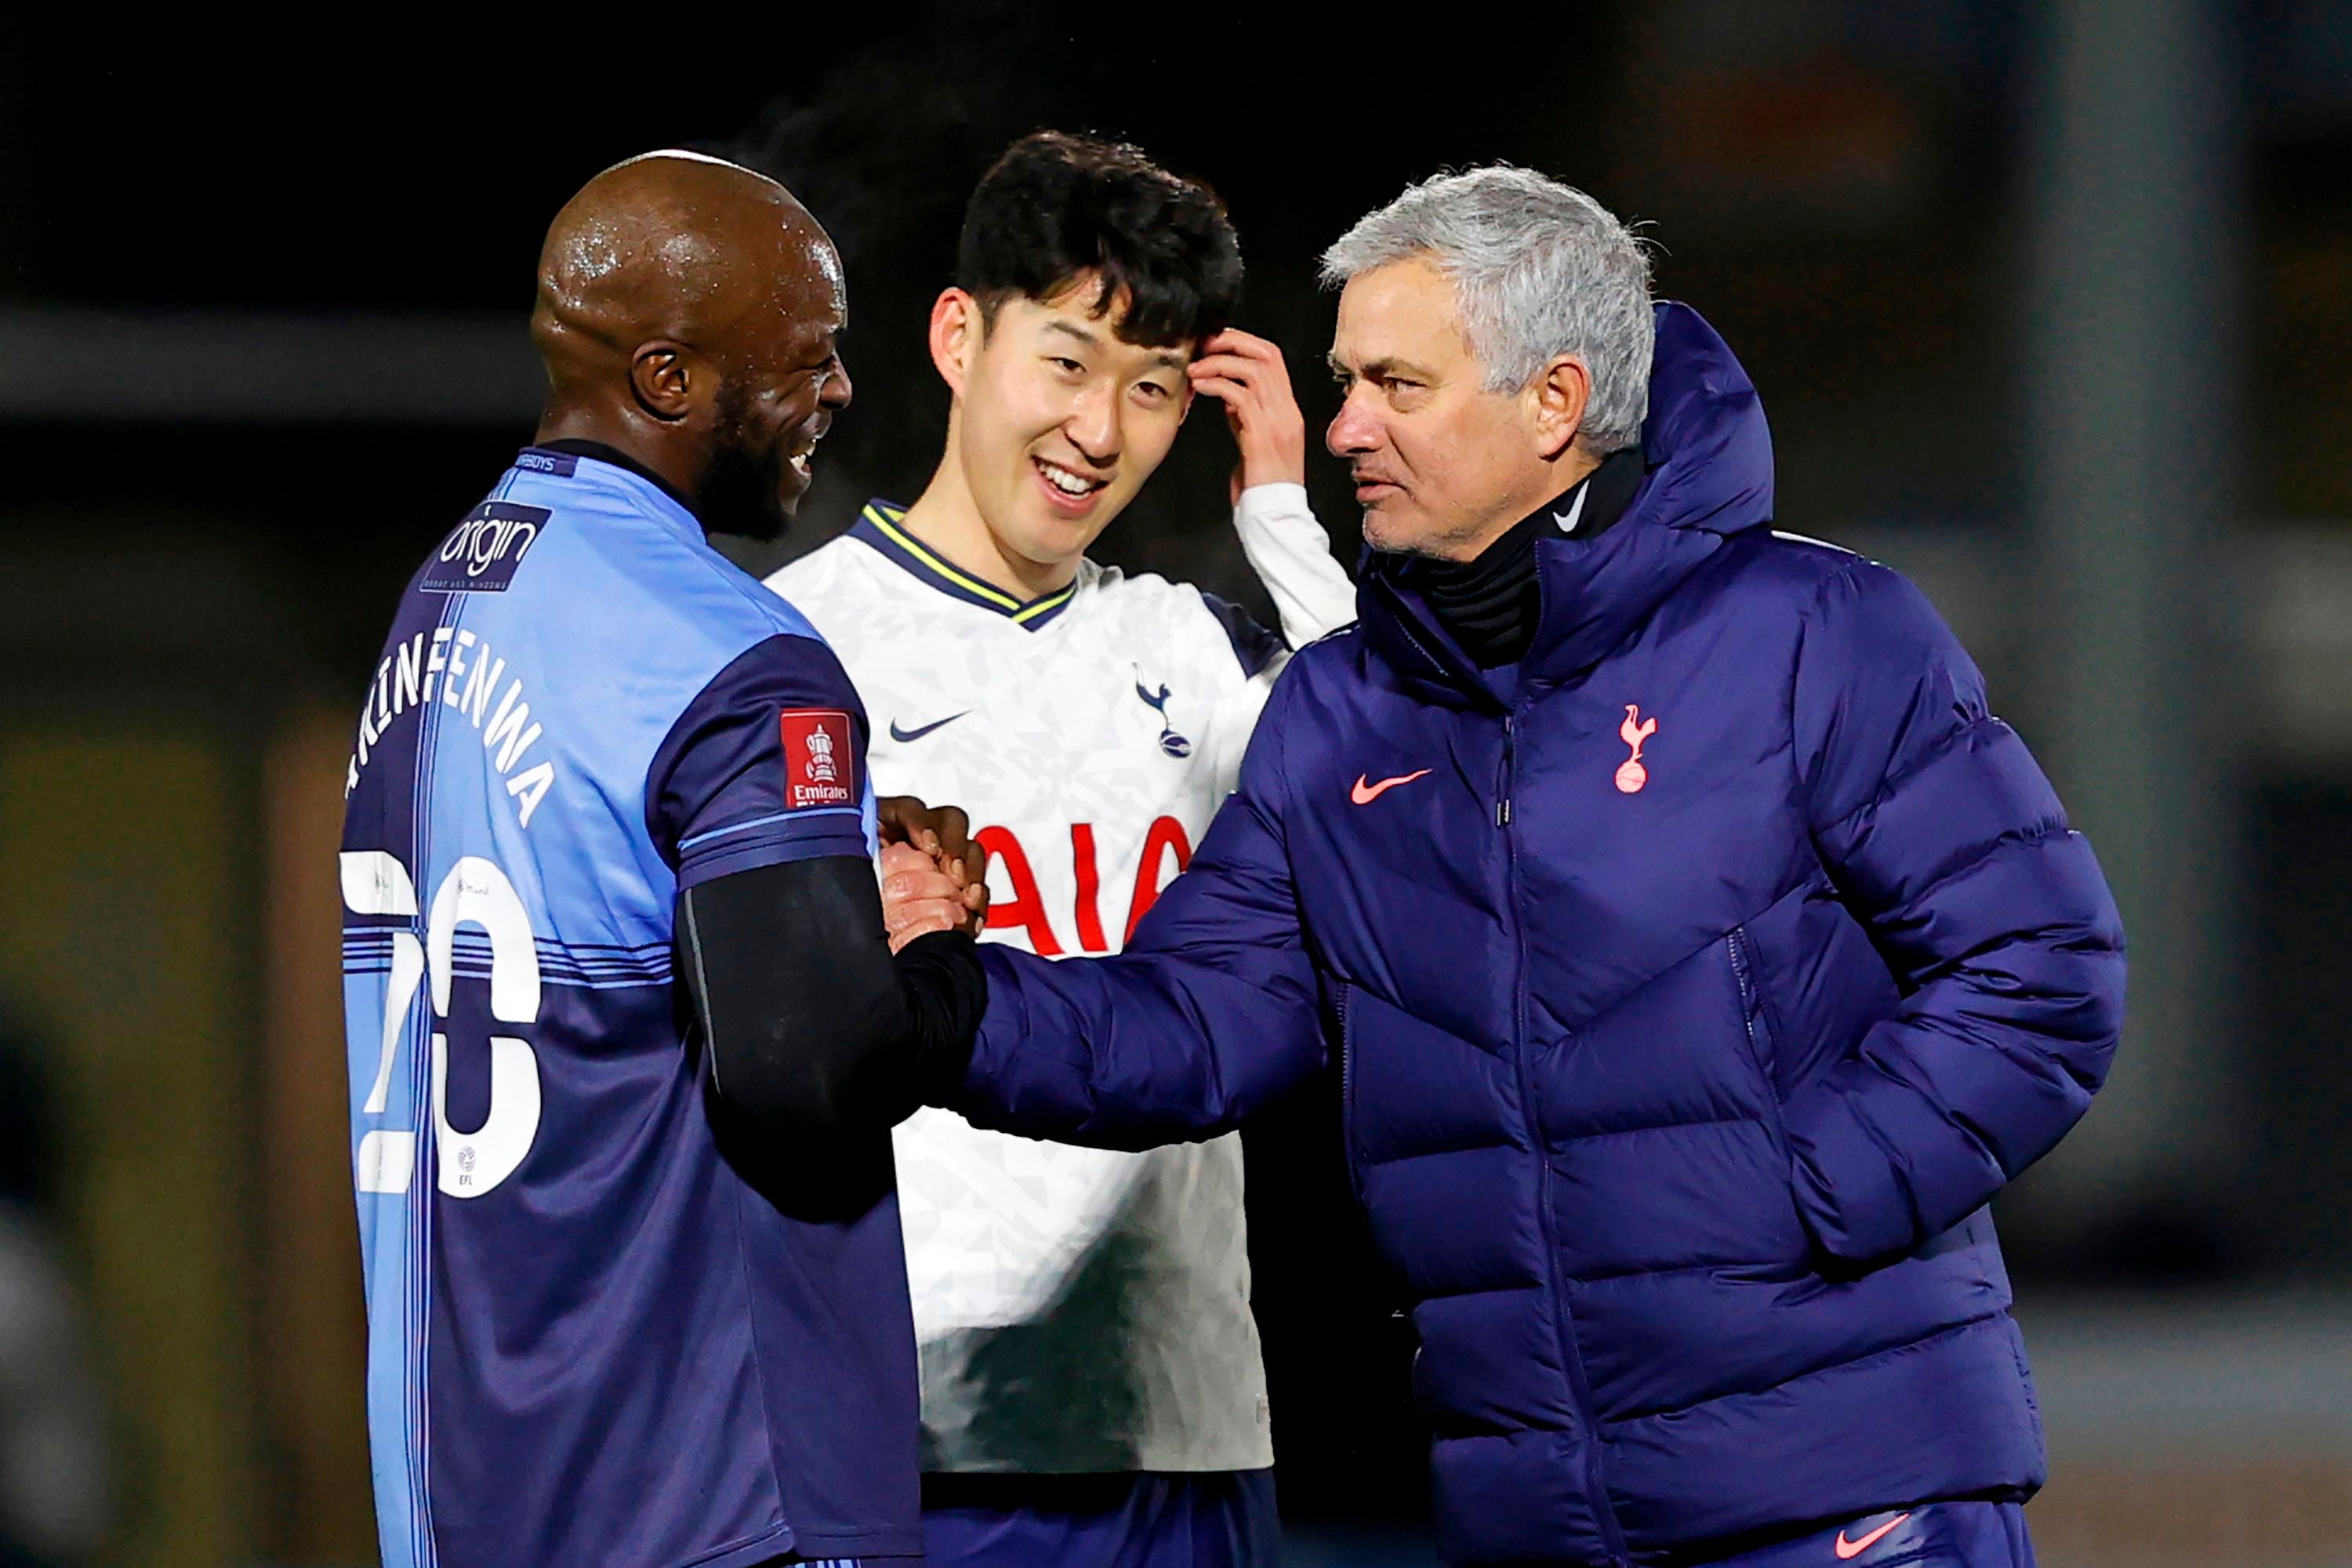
<point x="766" y="764"/>
<point x="1254" y="646"/>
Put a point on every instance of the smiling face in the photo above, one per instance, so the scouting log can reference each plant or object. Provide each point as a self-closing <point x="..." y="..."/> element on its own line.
<point x="778" y="399"/>
<point x="1442" y="466"/>
<point x="1058" y="422"/>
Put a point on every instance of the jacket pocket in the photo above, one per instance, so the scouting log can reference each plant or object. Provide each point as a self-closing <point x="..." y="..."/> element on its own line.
<point x="1344" y="1003"/>
<point x="1756" y="1022"/>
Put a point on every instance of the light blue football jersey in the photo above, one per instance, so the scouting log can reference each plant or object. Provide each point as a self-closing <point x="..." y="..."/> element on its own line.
<point x="594" y="1337"/>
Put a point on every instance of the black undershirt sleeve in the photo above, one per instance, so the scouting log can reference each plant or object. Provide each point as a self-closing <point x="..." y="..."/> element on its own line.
<point x="813" y="1027"/>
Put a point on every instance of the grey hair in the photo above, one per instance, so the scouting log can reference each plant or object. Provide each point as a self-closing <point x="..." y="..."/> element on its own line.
<point x="1540" y="269"/>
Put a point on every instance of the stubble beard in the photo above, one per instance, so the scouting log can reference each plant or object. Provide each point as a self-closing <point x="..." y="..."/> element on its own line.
<point x="742" y="487"/>
<point x="1428" y="543"/>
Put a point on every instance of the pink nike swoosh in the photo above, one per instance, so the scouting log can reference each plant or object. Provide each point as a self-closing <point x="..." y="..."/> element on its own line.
<point x="1364" y="795"/>
<point x="1852" y="1549"/>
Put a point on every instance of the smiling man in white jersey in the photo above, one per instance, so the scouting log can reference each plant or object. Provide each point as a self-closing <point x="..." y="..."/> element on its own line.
<point x="1093" y="1390"/>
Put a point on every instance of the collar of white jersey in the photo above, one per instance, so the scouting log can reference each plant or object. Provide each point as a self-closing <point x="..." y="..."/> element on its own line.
<point x="881" y="526"/>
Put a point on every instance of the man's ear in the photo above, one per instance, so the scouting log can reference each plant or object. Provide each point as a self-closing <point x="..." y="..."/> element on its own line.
<point x="1559" y="395"/>
<point x="957" y="328"/>
<point x="666" y="378"/>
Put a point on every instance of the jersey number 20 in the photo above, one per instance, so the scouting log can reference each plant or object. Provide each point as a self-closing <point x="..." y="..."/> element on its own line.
<point x="475" y="892"/>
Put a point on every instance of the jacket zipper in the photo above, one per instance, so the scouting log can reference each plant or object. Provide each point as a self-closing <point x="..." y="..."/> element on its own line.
<point x="1747" y="997"/>
<point x="1596" y="1496"/>
<point x="1748" y="1004"/>
<point x="1348" y="1086"/>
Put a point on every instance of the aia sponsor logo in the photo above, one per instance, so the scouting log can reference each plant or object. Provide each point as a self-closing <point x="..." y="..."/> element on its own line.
<point x="481" y="553"/>
<point x="820" y="766"/>
<point x="1166" y="849"/>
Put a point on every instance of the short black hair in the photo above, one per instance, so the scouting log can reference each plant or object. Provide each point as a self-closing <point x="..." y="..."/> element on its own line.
<point x="1056" y="206"/>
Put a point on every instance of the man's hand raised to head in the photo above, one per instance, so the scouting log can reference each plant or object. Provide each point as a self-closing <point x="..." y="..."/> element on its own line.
<point x="1247" y="374"/>
<point x="932" y="873"/>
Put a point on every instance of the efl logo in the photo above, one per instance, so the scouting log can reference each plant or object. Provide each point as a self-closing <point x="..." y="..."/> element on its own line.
<point x="481" y="553"/>
<point x="819" y="766"/>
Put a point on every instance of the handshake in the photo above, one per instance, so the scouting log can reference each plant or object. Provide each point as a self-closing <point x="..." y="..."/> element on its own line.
<point x="932" y="873"/>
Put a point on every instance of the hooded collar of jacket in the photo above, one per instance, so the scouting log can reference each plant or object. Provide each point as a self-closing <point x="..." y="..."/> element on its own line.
<point x="1709" y="460"/>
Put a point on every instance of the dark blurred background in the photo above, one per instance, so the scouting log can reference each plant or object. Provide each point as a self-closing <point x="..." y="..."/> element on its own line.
<point x="2049" y="305"/>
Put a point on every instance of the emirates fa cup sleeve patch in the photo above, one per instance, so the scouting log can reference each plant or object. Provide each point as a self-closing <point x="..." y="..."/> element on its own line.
<point x="820" y="769"/>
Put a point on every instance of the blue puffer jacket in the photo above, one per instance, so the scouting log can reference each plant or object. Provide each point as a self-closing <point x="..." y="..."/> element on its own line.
<point x="1692" y="997"/>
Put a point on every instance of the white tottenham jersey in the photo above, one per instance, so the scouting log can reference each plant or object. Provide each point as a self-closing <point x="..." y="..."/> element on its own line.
<point x="1077" y="1309"/>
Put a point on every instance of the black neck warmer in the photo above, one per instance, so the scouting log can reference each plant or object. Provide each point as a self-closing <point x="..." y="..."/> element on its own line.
<point x="1490" y="603"/>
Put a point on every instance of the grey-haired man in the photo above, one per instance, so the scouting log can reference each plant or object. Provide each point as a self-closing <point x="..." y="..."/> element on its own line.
<point x="1699" y="953"/>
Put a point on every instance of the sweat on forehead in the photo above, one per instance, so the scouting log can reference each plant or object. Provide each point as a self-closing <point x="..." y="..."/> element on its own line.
<point x="675" y="243"/>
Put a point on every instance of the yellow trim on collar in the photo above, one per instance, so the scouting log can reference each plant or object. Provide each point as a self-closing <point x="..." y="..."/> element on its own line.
<point x="968" y="584"/>
<point x="905" y="542"/>
<point x="1041" y="606"/>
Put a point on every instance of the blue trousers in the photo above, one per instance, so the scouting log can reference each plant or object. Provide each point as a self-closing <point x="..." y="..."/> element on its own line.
<point x="1214" y="1520"/>
<point x="1933" y="1535"/>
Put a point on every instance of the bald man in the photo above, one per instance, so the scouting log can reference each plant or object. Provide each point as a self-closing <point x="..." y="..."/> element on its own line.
<point x="627" y="1032"/>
